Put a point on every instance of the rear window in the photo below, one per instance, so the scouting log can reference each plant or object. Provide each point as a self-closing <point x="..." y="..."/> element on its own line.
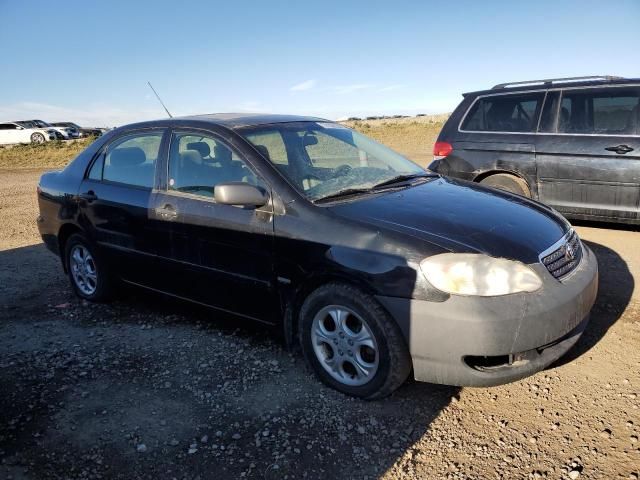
<point x="610" y="112"/>
<point x="507" y="113"/>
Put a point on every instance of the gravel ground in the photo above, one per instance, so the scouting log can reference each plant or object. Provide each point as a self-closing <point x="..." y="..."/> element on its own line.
<point x="150" y="388"/>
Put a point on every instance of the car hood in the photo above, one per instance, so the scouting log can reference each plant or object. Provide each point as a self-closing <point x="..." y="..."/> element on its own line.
<point x="463" y="217"/>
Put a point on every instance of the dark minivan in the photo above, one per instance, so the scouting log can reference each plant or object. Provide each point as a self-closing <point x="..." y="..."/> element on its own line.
<point x="571" y="143"/>
<point x="373" y="265"/>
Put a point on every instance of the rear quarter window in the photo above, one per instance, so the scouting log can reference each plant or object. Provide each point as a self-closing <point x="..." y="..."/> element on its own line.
<point x="504" y="113"/>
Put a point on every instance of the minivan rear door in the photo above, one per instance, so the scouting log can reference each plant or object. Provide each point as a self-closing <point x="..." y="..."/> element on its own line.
<point x="588" y="153"/>
<point x="497" y="134"/>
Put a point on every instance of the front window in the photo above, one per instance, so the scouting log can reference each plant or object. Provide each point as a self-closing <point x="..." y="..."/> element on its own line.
<point x="323" y="159"/>
<point x="197" y="163"/>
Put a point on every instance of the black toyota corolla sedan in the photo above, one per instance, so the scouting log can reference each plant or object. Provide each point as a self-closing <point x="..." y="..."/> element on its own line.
<point x="376" y="267"/>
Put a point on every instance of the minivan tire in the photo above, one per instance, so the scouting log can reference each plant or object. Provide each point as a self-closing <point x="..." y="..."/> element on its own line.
<point x="391" y="356"/>
<point x="507" y="182"/>
<point x="93" y="282"/>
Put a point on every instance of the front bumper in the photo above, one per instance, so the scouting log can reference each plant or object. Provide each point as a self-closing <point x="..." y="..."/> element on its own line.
<point x="485" y="341"/>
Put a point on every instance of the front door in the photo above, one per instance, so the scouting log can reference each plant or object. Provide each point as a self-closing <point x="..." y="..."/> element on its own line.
<point x="219" y="255"/>
<point x="589" y="159"/>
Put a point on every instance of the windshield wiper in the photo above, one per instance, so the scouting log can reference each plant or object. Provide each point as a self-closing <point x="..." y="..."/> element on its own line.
<point x="402" y="178"/>
<point x="347" y="192"/>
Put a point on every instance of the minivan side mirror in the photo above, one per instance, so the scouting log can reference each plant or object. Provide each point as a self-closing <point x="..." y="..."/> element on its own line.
<point x="18" y="127"/>
<point x="240" y="194"/>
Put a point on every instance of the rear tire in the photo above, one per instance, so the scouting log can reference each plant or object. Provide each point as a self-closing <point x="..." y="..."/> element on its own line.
<point x="88" y="272"/>
<point x="352" y="343"/>
<point x="508" y="183"/>
<point x="37" y="138"/>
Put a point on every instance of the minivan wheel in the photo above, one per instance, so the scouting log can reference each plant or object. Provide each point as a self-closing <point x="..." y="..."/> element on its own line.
<point x="37" y="138"/>
<point x="507" y="182"/>
<point x="87" y="272"/>
<point x="352" y="343"/>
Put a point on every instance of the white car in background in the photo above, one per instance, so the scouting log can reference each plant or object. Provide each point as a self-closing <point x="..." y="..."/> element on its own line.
<point x="25" y="132"/>
<point x="67" y="133"/>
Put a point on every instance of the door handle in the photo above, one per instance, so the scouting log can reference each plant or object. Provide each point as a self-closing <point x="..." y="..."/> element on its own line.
<point x="89" y="196"/>
<point x="167" y="212"/>
<point x="620" y="149"/>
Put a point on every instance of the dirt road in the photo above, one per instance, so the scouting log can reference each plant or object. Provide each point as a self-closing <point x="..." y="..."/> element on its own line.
<point x="149" y="388"/>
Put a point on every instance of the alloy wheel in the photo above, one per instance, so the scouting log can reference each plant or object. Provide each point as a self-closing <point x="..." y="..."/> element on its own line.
<point x="344" y="345"/>
<point x="83" y="270"/>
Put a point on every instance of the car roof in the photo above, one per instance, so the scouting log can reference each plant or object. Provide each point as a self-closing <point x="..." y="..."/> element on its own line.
<point x="229" y="120"/>
<point x="236" y="120"/>
<point x="553" y="83"/>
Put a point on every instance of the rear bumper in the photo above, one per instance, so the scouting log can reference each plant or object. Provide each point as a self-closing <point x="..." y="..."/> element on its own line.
<point x="485" y="341"/>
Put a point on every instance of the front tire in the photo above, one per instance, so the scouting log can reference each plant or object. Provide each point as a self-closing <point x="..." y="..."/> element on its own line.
<point x="88" y="273"/>
<point x="352" y="343"/>
<point x="508" y="183"/>
<point x="37" y="138"/>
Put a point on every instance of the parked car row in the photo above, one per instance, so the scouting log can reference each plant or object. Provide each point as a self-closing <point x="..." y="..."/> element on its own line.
<point x="39" y="131"/>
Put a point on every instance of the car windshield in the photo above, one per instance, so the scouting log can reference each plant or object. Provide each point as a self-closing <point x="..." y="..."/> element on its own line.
<point x="325" y="160"/>
<point x="27" y="124"/>
<point x="41" y="124"/>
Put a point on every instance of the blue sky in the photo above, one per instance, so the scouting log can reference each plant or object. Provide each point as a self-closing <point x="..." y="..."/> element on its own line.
<point x="89" y="61"/>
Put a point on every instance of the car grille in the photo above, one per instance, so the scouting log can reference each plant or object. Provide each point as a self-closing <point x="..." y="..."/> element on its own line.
<point x="564" y="259"/>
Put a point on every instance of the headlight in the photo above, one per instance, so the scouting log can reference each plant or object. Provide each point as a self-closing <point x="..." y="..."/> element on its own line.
<point x="477" y="274"/>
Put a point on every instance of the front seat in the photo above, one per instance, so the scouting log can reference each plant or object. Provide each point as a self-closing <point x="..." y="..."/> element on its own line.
<point x="190" y="170"/>
<point x="229" y="171"/>
<point x="201" y="147"/>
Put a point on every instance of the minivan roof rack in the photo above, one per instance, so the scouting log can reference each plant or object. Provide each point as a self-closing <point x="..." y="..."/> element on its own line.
<point x="551" y="81"/>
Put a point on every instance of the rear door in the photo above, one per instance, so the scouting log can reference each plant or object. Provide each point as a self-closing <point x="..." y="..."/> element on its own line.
<point x="114" y="204"/>
<point x="588" y="154"/>
<point x="498" y="134"/>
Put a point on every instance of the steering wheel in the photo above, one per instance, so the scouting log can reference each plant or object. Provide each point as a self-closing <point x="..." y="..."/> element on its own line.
<point x="341" y="170"/>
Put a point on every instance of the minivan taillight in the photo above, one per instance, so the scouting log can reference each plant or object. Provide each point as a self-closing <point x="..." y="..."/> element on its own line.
<point x="441" y="150"/>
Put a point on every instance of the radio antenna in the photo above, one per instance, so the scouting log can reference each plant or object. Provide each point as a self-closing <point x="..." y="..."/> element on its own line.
<point x="160" y="100"/>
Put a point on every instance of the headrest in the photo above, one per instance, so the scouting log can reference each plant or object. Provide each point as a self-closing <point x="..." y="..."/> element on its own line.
<point x="191" y="156"/>
<point x="202" y="147"/>
<point x="263" y="151"/>
<point x="127" y="157"/>
<point x="222" y="154"/>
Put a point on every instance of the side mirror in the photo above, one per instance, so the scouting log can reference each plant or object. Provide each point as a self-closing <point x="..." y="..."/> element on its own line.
<point x="240" y="194"/>
<point x="19" y="127"/>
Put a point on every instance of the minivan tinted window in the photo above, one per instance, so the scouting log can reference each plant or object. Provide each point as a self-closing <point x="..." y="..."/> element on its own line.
<point x="505" y="113"/>
<point x="611" y="111"/>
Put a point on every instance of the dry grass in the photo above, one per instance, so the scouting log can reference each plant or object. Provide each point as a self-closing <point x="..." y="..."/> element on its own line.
<point x="55" y="154"/>
<point x="413" y="137"/>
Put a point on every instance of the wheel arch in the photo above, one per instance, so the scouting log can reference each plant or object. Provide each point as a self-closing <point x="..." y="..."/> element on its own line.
<point x="531" y="185"/>
<point x="66" y="230"/>
<point x="294" y="302"/>
<point x="481" y="176"/>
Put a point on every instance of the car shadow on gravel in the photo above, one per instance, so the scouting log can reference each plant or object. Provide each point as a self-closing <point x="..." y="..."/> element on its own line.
<point x="149" y="387"/>
<point x="615" y="289"/>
